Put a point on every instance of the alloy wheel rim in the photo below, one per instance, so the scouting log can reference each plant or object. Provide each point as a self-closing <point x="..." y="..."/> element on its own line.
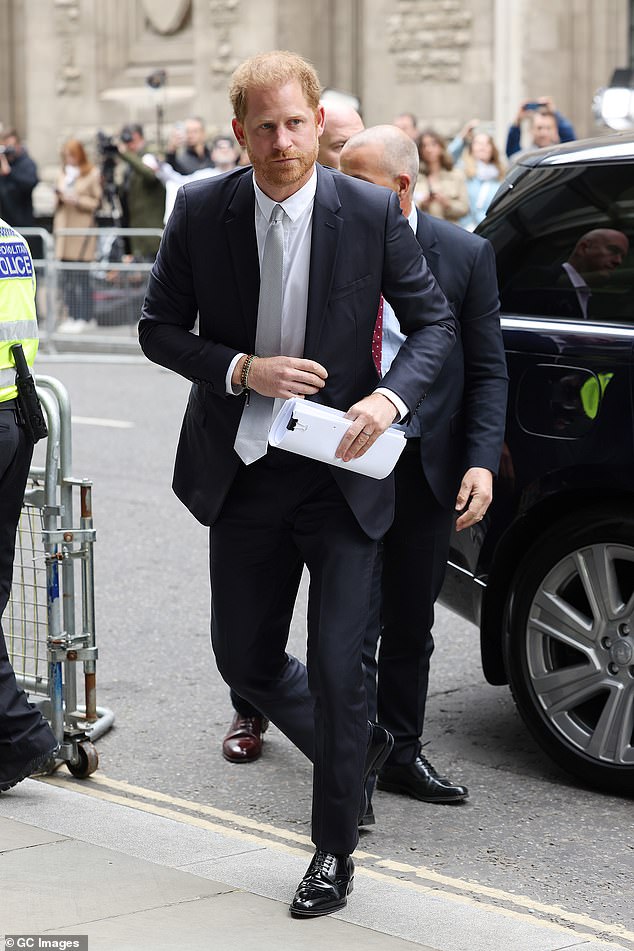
<point x="580" y="651"/>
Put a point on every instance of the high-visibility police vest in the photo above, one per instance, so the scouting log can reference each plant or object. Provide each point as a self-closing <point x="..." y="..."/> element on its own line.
<point x="18" y="320"/>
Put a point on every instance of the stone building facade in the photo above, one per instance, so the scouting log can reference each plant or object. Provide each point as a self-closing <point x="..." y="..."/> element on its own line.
<point x="70" y="67"/>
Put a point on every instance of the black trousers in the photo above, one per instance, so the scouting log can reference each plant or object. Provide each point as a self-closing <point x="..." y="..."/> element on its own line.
<point x="24" y="734"/>
<point x="406" y="585"/>
<point x="77" y="291"/>
<point x="242" y="706"/>
<point x="283" y="512"/>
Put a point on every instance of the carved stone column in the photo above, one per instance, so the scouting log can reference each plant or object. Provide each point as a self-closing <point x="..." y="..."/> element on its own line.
<point x="418" y="57"/>
<point x="226" y="32"/>
<point x="9" y="106"/>
<point x="508" y="58"/>
<point x="566" y="49"/>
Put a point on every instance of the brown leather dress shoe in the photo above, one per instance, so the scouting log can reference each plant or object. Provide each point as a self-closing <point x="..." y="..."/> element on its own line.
<point x="243" y="742"/>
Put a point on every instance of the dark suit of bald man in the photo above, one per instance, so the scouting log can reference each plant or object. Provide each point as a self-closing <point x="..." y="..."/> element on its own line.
<point x="459" y="425"/>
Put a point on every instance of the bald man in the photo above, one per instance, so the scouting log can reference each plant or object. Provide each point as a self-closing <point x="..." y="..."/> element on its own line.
<point x="453" y="449"/>
<point x="598" y="253"/>
<point x="243" y="740"/>
<point x="341" y="122"/>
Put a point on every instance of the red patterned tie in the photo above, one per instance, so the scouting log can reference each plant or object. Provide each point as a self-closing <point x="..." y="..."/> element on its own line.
<point x="377" y="338"/>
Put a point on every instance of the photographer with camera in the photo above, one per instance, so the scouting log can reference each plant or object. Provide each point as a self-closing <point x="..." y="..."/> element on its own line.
<point x="547" y="127"/>
<point x="187" y="151"/>
<point x="18" y="178"/>
<point x="142" y="193"/>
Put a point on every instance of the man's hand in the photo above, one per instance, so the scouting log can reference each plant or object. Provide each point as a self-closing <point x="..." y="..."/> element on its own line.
<point x="372" y="415"/>
<point x="176" y="139"/>
<point x="282" y="377"/>
<point x="5" y="168"/>
<point x="523" y="112"/>
<point x="476" y="490"/>
<point x="548" y="102"/>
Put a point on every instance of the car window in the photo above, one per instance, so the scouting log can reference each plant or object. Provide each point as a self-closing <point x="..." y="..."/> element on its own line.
<point x="564" y="243"/>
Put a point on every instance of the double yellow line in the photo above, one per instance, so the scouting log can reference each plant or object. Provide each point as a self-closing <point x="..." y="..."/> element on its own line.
<point x="368" y="864"/>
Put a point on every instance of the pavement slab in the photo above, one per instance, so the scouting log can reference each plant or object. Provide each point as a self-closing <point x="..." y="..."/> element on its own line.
<point x="90" y="862"/>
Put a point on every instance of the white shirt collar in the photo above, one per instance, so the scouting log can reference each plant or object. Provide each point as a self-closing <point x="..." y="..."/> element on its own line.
<point x="575" y="278"/>
<point x="293" y="206"/>
<point x="412" y="218"/>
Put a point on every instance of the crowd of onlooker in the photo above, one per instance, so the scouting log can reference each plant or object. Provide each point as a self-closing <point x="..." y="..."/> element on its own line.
<point x="135" y="185"/>
<point x="459" y="178"/>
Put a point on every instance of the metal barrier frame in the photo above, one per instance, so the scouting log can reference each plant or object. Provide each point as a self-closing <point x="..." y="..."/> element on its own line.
<point x="52" y="268"/>
<point x="63" y="545"/>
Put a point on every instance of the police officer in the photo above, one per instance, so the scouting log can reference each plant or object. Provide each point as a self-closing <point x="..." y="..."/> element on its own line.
<point x="26" y="740"/>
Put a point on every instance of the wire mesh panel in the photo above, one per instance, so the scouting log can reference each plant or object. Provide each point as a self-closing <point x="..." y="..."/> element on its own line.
<point x="49" y="623"/>
<point x="25" y="621"/>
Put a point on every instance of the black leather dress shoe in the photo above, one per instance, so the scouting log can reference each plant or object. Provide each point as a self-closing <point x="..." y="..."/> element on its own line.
<point x="420" y="780"/>
<point x="380" y="744"/>
<point x="325" y="886"/>
<point x="36" y="764"/>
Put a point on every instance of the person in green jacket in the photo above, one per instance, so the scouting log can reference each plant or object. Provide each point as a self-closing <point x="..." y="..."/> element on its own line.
<point x="142" y="193"/>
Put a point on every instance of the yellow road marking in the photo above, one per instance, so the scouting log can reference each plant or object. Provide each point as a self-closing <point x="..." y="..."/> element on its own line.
<point x="86" y="789"/>
<point x="99" y="786"/>
<point x="201" y="808"/>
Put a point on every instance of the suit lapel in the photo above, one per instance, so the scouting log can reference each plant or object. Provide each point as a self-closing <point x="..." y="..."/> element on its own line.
<point x="240" y="229"/>
<point x="326" y="233"/>
<point x="426" y="237"/>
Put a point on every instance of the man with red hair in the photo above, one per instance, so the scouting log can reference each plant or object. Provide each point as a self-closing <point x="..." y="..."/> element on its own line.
<point x="284" y="264"/>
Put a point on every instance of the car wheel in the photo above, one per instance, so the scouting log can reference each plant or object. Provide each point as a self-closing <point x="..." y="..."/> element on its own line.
<point x="569" y="646"/>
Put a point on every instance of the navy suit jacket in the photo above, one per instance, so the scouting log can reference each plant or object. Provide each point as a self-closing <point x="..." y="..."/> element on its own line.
<point x="543" y="290"/>
<point x="208" y="266"/>
<point x="462" y="417"/>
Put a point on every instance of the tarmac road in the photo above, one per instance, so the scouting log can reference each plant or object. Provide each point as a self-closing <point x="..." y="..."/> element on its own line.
<point x="527" y="839"/>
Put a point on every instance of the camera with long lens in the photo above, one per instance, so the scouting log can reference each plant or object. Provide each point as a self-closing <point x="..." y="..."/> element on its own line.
<point x="106" y="145"/>
<point x="7" y="150"/>
<point x="107" y="151"/>
<point x="108" y="154"/>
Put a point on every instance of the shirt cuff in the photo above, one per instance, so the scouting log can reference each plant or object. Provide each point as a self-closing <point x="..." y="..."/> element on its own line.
<point x="403" y="410"/>
<point x="230" y="389"/>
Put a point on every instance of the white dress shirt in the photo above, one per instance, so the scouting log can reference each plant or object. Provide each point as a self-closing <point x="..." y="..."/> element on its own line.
<point x="392" y="336"/>
<point x="296" y="223"/>
<point x="581" y="288"/>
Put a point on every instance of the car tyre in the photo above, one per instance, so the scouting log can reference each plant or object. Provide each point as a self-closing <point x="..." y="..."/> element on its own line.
<point x="569" y="646"/>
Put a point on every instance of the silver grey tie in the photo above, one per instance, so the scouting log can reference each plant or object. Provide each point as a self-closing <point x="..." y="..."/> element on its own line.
<point x="257" y="415"/>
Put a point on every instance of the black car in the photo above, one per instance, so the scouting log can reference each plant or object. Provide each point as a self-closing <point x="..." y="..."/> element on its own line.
<point x="548" y="576"/>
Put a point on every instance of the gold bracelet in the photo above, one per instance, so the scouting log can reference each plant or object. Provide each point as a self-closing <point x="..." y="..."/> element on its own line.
<point x="244" y="375"/>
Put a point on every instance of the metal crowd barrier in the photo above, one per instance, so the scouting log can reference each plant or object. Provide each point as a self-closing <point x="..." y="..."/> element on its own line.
<point x="50" y="619"/>
<point x="96" y="300"/>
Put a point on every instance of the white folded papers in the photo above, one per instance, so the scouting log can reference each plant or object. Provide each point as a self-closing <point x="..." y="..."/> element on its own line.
<point x="312" y="430"/>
